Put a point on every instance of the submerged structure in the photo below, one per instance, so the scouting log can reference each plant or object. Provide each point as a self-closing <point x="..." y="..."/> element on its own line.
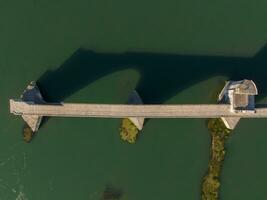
<point x="236" y="101"/>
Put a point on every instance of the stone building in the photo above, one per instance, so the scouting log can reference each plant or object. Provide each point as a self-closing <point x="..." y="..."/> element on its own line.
<point x="241" y="97"/>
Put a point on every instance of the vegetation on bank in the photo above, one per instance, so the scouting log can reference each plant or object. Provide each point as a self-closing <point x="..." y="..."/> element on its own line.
<point x="211" y="183"/>
<point x="128" y="131"/>
<point x="27" y="134"/>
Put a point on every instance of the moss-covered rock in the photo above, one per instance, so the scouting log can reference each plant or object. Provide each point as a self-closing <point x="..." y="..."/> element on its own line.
<point x="128" y="131"/>
<point x="211" y="184"/>
<point x="27" y="134"/>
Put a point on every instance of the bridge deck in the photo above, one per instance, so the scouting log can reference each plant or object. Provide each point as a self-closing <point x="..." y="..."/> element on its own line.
<point x="19" y="107"/>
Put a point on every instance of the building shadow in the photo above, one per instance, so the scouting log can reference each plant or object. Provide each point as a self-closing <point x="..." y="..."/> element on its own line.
<point x="162" y="75"/>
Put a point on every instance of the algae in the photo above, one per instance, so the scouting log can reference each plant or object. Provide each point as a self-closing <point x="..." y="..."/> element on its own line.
<point x="128" y="131"/>
<point x="211" y="182"/>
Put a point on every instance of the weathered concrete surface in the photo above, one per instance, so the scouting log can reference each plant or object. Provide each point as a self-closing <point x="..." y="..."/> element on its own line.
<point x="19" y="107"/>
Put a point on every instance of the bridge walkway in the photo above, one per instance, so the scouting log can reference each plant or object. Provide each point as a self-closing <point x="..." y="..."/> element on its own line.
<point x="19" y="107"/>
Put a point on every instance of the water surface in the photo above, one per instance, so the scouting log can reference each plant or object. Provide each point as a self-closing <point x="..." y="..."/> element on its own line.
<point x="96" y="51"/>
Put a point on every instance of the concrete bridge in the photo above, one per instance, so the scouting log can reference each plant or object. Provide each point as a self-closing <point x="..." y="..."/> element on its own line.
<point x="239" y="103"/>
<point x="19" y="107"/>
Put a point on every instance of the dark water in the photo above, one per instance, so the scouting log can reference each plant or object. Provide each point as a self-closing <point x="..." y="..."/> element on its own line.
<point x="96" y="51"/>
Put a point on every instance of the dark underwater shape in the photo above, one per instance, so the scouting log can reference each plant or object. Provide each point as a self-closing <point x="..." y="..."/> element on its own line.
<point x="162" y="75"/>
<point x="112" y="193"/>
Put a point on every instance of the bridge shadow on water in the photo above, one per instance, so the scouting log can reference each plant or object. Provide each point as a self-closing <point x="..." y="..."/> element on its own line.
<point x="162" y="75"/>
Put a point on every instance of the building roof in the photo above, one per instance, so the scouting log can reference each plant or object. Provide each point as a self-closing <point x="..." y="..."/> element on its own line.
<point x="240" y="100"/>
<point x="245" y="86"/>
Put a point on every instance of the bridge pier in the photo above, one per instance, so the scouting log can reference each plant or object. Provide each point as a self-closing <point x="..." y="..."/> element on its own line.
<point x="135" y="99"/>
<point x="230" y="122"/>
<point x="32" y="94"/>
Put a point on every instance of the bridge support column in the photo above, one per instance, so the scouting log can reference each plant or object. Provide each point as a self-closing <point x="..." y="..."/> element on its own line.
<point x="135" y="99"/>
<point x="32" y="94"/>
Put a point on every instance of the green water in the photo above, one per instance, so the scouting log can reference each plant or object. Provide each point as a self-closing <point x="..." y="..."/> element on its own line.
<point x="179" y="51"/>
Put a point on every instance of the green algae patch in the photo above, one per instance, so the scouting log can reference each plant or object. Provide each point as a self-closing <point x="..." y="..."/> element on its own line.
<point x="211" y="182"/>
<point x="128" y="131"/>
<point x="27" y="134"/>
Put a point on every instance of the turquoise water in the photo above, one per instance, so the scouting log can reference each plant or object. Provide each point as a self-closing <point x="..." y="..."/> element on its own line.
<point x="96" y="51"/>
